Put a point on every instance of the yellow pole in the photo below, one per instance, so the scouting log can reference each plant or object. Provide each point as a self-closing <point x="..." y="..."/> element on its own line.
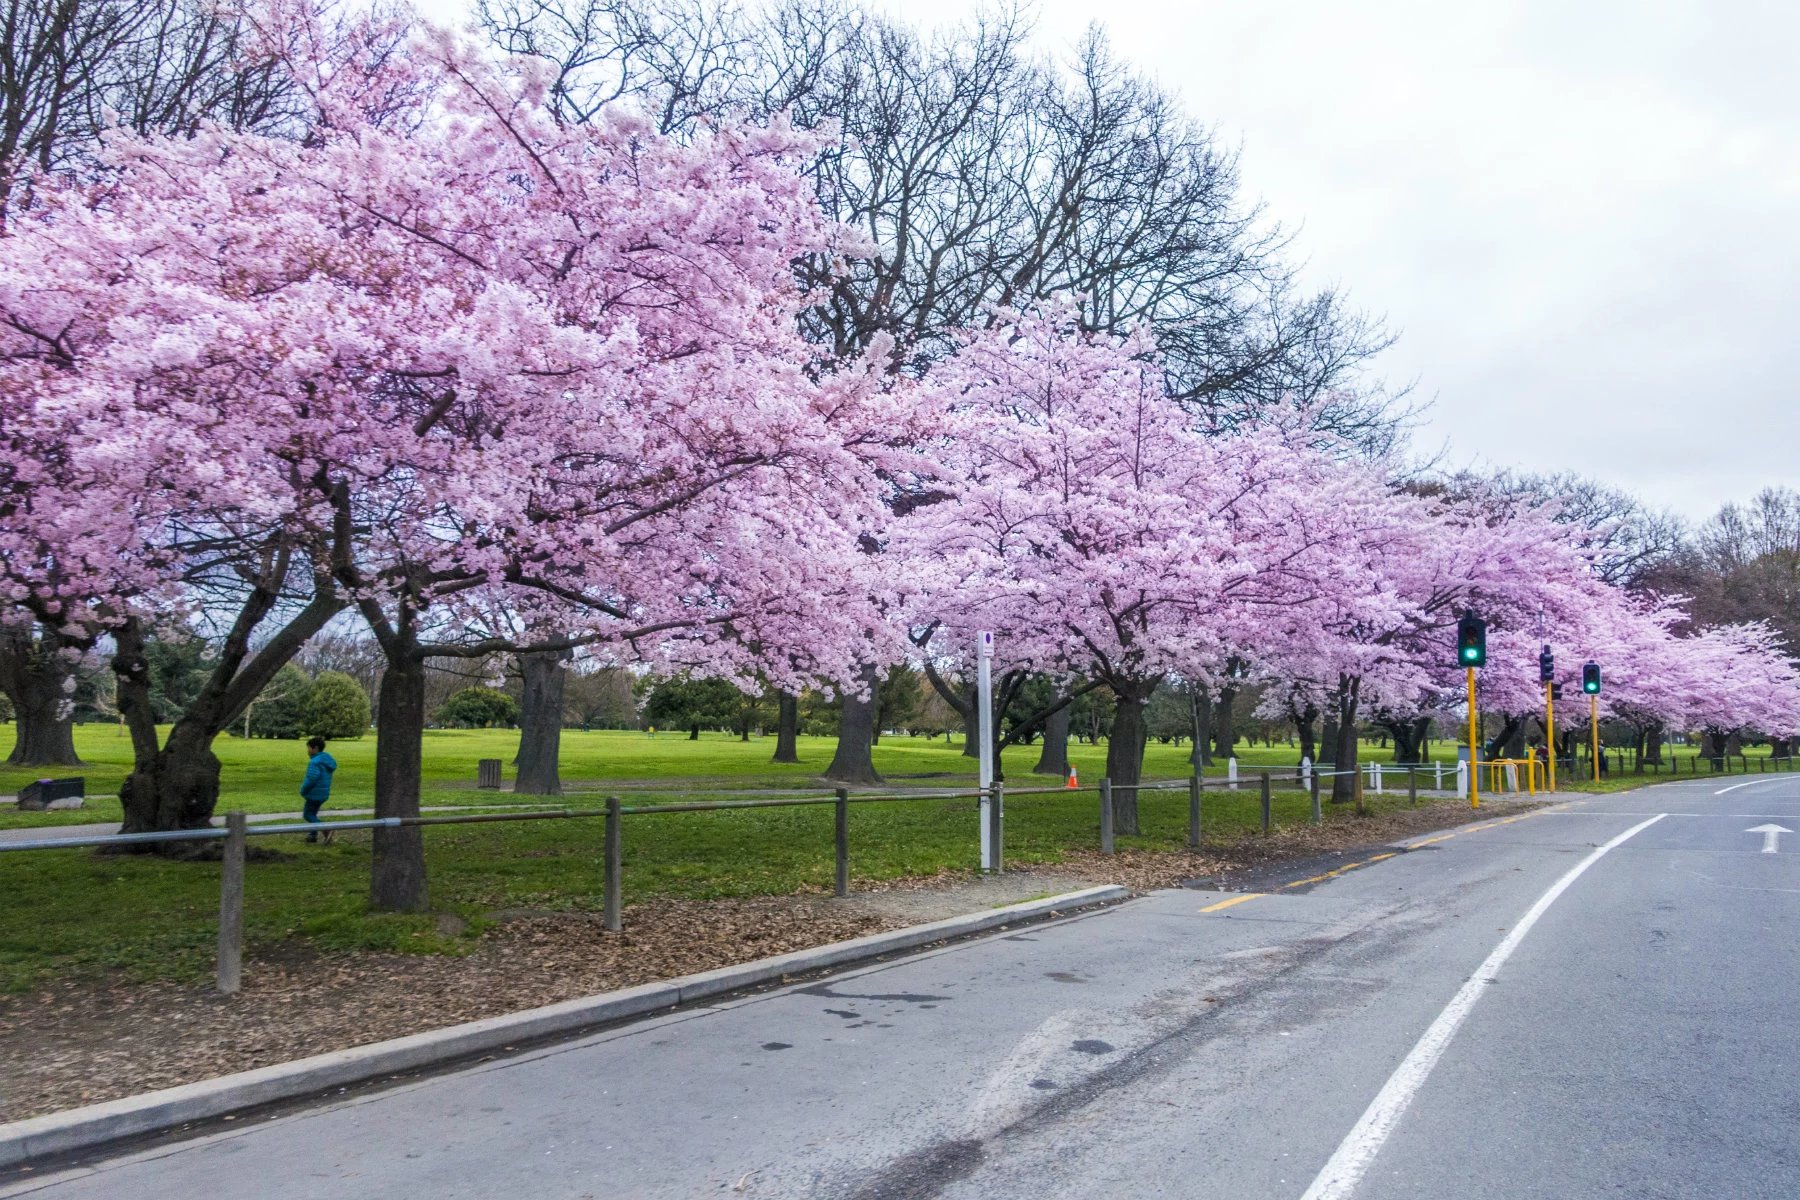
<point x="1549" y="738"/>
<point x="1531" y="770"/>
<point x="1474" y="774"/>
<point x="1594" y="734"/>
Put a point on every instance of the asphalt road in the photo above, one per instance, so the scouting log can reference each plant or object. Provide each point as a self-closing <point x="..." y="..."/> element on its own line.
<point x="1590" y="1000"/>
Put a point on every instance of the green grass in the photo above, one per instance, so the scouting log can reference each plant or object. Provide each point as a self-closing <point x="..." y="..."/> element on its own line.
<point x="76" y="912"/>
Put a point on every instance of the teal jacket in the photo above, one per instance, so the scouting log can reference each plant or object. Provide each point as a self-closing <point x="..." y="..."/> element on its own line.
<point x="317" y="784"/>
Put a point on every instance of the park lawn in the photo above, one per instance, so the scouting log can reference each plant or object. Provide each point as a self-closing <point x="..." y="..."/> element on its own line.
<point x="263" y="776"/>
<point x="77" y="913"/>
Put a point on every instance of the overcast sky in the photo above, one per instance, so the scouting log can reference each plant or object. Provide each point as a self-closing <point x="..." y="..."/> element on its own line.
<point x="1582" y="218"/>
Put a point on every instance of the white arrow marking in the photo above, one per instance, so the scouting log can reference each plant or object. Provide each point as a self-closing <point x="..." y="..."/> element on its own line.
<point x="1771" y="836"/>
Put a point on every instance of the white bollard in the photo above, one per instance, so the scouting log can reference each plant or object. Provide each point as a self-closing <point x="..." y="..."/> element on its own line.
<point x="1231" y="773"/>
<point x="1512" y="778"/>
<point x="1375" y="776"/>
<point x="1440" y="778"/>
<point x="1462" y="779"/>
<point x="1305" y="771"/>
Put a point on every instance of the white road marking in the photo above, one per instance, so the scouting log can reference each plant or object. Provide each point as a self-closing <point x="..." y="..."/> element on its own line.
<point x="1359" y="1148"/>
<point x="1771" y="836"/>
<point x="1734" y="787"/>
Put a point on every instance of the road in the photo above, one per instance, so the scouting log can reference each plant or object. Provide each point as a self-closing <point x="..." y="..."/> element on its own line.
<point x="1599" y="999"/>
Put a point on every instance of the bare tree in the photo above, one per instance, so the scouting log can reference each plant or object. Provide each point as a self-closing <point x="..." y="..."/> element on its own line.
<point x="982" y="176"/>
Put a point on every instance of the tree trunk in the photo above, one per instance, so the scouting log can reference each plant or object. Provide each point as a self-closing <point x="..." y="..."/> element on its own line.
<point x="35" y="678"/>
<point x="397" y="876"/>
<point x="1328" y="739"/>
<point x="1125" y="754"/>
<point x="1303" y="725"/>
<point x="1347" y="785"/>
<point x="854" y="759"/>
<point x="1200" y="709"/>
<point x="787" y="728"/>
<point x="1653" y="743"/>
<point x="540" y="724"/>
<point x="971" y="719"/>
<point x="693" y="733"/>
<point x="1224" y="726"/>
<point x="1053" y="759"/>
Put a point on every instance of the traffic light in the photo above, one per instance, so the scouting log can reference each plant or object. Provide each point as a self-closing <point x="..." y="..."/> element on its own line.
<point x="1546" y="666"/>
<point x="1590" y="678"/>
<point x="1471" y="641"/>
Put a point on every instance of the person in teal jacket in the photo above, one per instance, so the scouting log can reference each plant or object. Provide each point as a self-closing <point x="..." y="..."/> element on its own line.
<point x="315" y="789"/>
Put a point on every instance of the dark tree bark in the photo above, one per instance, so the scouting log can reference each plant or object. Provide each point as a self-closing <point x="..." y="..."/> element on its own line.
<point x="1653" y="742"/>
<point x="1125" y="752"/>
<point x="1304" y="721"/>
<point x="787" y="728"/>
<point x="693" y="733"/>
<point x="397" y="880"/>
<point x="854" y="760"/>
<point x="1053" y="758"/>
<point x="1328" y="738"/>
<point x="1200" y="709"/>
<point x="1224" y="724"/>
<point x="174" y="783"/>
<point x="1512" y="731"/>
<point x="34" y="678"/>
<point x="540" y="724"/>
<point x="1346" y="787"/>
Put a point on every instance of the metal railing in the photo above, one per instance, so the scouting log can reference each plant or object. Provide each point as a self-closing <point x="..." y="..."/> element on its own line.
<point x="238" y="829"/>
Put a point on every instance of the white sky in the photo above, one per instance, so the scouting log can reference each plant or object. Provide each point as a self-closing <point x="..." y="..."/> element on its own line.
<point x="1583" y="218"/>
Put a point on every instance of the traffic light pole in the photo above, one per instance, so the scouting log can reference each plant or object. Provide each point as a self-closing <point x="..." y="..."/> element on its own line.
<point x="1474" y="774"/>
<point x="1594" y="733"/>
<point x="1550" y="734"/>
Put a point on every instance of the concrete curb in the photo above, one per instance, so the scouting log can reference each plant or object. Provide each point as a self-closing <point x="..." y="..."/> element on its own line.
<point x="98" y="1124"/>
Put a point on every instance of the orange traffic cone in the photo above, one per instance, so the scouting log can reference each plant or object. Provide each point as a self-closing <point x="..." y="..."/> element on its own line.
<point x="1073" y="782"/>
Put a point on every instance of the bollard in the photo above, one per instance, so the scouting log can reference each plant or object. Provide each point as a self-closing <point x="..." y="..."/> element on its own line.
<point x="999" y="827"/>
<point x="1317" y="816"/>
<point x="1375" y="776"/>
<point x="1196" y="784"/>
<point x="1231" y="774"/>
<point x="1106" y="816"/>
<point x="231" y="905"/>
<point x="843" y="841"/>
<point x="1267" y="802"/>
<point x="1412" y="787"/>
<point x="614" y="865"/>
<point x="1439" y="785"/>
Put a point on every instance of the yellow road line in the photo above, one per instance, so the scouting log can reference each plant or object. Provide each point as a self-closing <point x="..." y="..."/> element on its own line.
<point x="1232" y="901"/>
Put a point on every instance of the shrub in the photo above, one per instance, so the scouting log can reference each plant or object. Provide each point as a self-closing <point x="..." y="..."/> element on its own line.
<point x="479" y="708"/>
<point x="280" y="710"/>
<point x="336" y="707"/>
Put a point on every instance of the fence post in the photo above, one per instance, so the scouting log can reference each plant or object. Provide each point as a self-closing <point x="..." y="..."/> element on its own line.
<point x="1196" y="784"/>
<point x="1439" y="785"/>
<point x="1106" y="815"/>
<point x="231" y="905"/>
<point x="614" y="864"/>
<point x="1412" y="787"/>
<point x="843" y="841"/>
<point x="1317" y="816"/>
<point x="1267" y="802"/>
<point x="999" y="827"/>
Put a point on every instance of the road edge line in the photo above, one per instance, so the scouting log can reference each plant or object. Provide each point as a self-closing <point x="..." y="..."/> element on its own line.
<point x="96" y="1125"/>
<point x="1337" y="1180"/>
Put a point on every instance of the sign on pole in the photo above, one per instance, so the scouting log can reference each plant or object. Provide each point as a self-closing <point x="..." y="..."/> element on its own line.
<point x="984" y="729"/>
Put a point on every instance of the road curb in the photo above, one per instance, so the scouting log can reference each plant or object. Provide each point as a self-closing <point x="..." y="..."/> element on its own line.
<point x="96" y="1125"/>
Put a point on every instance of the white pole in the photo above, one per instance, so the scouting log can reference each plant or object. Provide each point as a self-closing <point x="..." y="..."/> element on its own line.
<point x="984" y="725"/>
<point x="1440" y="777"/>
<point x="1305" y="771"/>
<point x="1462" y="778"/>
<point x="1231" y="772"/>
<point x="1375" y="776"/>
